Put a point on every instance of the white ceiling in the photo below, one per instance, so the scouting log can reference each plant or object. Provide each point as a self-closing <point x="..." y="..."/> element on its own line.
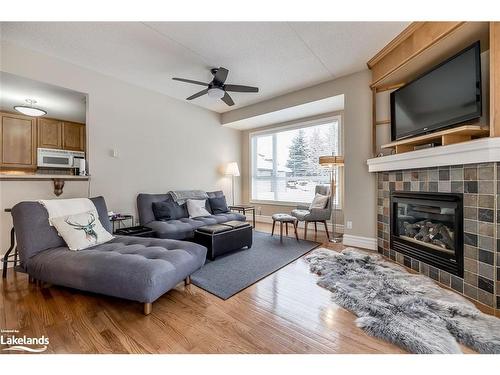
<point x="60" y="103"/>
<point x="278" y="57"/>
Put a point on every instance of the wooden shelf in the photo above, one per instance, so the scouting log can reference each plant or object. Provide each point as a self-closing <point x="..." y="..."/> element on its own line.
<point x="460" y="134"/>
<point x="437" y="51"/>
<point x="421" y="46"/>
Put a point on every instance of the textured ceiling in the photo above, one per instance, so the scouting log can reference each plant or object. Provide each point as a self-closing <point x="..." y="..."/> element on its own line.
<point x="278" y="57"/>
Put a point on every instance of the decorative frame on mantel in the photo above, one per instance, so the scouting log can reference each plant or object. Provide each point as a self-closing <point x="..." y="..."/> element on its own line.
<point x="421" y="46"/>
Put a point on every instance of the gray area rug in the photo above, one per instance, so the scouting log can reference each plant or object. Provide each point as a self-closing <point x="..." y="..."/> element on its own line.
<point x="235" y="271"/>
<point x="409" y="310"/>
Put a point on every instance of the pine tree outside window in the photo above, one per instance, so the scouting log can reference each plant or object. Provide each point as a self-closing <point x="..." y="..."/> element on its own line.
<point x="284" y="161"/>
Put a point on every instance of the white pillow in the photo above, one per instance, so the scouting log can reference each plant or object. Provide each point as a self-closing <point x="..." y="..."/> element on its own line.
<point x="82" y="230"/>
<point x="196" y="208"/>
<point x="319" y="201"/>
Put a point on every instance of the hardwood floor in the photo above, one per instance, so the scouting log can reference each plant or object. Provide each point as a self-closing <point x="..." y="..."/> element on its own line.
<point x="284" y="313"/>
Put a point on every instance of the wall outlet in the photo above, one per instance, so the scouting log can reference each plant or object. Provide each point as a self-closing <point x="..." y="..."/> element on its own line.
<point x="348" y="224"/>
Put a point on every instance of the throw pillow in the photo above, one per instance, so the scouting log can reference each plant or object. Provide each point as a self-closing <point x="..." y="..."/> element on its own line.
<point x="218" y="205"/>
<point x="319" y="201"/>
<point x="215" y="194"/>
<point x="82" y="230"/>
<point x="196" y="208"/>
<point x="168" y="210"/>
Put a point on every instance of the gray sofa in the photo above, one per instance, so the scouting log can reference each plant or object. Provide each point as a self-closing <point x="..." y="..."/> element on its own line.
<point x="180" y="229"/>
<point x="134" y="268"/>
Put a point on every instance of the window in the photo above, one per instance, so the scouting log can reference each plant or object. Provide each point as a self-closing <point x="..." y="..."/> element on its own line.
<point x="284" y="162"/>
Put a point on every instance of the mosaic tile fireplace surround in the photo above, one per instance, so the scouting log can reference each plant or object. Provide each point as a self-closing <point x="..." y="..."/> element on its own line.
<point x="480" y="186"/>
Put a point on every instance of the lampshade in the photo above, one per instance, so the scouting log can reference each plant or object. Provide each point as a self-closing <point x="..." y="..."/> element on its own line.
<point x="232" y="169"/>
<point x="331" y="160"/>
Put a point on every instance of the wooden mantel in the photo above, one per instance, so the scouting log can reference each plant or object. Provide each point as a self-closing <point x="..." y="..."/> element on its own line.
<point x="421" y="46"/>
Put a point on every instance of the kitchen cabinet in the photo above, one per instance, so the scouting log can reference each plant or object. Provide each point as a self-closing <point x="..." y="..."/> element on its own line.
<point x="73" y="136"/>
<point x="50" y="133"/>
<point x="18" y="141"/>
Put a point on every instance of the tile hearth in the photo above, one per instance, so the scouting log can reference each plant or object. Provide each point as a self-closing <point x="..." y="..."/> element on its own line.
<point x="480" y="184"/>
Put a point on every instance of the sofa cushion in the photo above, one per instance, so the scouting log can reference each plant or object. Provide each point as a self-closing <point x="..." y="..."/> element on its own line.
<point x="196" y="208"/>
<point x="215" y="194"/>
<point x="184" y="228"/>
<point x="33" y="232"/>
<point x="81" y="230"/>
<point x="218" y="205"/>
<point x="145" y="206"/>
<point x="168" y="210"/>
<point x="139" y="269"/>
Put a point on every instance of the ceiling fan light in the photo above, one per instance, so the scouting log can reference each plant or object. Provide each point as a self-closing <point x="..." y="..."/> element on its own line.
<point x="30" y="111"/>
<point x="216" y="93"/>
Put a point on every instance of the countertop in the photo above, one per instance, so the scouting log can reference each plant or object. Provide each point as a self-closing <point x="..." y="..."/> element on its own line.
<point x="25" y="176"/>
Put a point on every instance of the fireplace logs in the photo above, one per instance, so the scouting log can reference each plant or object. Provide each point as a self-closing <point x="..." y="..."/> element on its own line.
<point x="434" y="233"/>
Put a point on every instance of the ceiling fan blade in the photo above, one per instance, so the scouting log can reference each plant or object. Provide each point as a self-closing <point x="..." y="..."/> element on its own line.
<point x="190" y="81"/>
<point x="241" y="88"/>
<point x="194" y="96"/>
<point x="221" y="75"/>
<point x="227" y="99"/>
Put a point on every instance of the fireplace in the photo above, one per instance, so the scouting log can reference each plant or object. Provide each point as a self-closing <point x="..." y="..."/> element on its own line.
<point x="429" y="227"/>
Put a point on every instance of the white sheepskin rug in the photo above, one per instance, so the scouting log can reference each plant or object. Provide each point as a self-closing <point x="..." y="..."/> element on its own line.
<point x="409" y="310"/>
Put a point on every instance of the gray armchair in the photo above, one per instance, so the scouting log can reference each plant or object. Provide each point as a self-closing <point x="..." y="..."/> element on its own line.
<point x="316" y="215"/>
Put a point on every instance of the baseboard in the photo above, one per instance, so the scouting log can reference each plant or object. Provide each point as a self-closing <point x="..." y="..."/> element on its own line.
<point x="359" y="241"/>
<point x="269" y="220"/>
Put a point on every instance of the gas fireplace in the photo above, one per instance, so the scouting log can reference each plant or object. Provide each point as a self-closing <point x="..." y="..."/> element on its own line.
<point x="429" y="227"/>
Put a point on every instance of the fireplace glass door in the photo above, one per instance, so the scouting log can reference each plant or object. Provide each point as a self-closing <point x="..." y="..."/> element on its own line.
<point x="428" y="227"/>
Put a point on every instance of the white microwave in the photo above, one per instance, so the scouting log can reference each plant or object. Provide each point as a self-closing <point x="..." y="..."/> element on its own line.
<point x="53" y="158"/>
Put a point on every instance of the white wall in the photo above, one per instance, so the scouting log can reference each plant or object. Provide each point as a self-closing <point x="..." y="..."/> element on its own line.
<point x="162" y="143"/>
<point x="359" y="185"/>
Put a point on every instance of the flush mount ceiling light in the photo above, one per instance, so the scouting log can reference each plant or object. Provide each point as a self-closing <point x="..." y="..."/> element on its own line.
<point x="29" y="110"/>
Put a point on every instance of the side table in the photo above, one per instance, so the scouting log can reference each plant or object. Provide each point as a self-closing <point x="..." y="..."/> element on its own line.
<point x="243" y="209"/>
<point x="117" y="221"/>
<point x="138" y="231"/>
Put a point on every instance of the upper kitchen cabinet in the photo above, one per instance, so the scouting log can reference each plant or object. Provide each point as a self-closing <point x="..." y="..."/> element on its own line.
<point x="73" y="135"/>
<point x="18" y="141"/>
<point x="50" y="133"/>
<point x="38" y="115"/>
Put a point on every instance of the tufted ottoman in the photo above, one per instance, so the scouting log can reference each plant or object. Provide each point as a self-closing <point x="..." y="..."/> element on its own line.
<point x="135" y="268"/>
<point x="285" y="218"/>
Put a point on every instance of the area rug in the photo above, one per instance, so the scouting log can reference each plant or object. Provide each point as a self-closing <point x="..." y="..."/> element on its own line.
<point x="235" y="271"/>
<point x="409" y="310"/>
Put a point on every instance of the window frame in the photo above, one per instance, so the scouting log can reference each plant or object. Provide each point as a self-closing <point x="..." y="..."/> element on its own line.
<point x="339" y="116"/>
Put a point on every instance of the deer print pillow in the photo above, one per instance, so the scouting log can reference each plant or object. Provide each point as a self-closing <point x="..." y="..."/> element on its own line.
<point x="80" y="231"/>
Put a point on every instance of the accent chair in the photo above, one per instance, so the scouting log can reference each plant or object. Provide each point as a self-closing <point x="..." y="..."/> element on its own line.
<point x="315" y="215"/>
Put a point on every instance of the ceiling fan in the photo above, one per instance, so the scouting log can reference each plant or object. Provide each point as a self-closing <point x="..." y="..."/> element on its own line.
<point x="217" y="89"/>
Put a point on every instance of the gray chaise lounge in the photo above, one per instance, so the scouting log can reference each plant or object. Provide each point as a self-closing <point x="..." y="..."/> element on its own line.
<point x="134" y="268"/>
<point x="180" y="229"/>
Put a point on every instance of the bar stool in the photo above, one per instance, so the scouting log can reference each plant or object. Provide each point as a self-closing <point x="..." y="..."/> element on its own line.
<point x="6" y="258"/>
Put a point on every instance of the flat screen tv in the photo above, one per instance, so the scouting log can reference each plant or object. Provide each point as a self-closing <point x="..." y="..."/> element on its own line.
<point x="447" y="95"/>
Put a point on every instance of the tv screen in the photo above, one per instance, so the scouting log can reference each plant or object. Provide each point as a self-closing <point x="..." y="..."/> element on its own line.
<point x="447" y="95"/>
